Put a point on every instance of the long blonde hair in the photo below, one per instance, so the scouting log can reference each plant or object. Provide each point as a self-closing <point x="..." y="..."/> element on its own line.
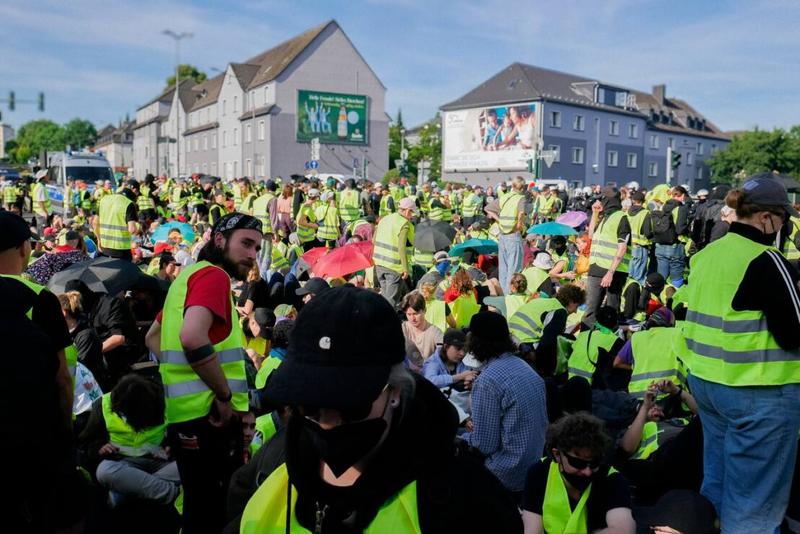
<point x="71" y="303"/>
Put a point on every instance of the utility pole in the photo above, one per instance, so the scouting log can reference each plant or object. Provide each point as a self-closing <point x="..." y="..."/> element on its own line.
<point x="177" y="37"/>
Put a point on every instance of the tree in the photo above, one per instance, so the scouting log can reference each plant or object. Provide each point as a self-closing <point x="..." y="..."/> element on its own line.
<point x="395" y="142"/>
<point x="757" y="151"/>
<point x="186" y="71"/>
<point x="79" y="133"/>
<point x="429" y="148"/>
<point x="38" y="135"/>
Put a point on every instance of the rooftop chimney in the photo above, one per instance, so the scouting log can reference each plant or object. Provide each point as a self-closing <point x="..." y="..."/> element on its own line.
<point x="660" y="93"/>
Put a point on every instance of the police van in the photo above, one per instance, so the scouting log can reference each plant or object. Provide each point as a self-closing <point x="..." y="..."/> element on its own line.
<point x="86" y="166"/>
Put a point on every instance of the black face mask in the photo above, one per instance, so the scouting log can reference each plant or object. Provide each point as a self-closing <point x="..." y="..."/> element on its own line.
<point x="578" y="482"/>
<point x="343" y="446"/>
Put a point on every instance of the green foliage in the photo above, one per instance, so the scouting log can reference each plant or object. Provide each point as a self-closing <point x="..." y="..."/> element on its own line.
<point x="757" y="151"/>
<point x="79" y="133"/>
<point x="186" y="71"/>
<point x="391" y="173"/>
<point x="44" y="134"/>
<point x="429" y="148"/>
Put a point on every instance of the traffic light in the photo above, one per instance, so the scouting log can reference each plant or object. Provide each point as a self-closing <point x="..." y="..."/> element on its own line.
<point x="530" y="165"/>
<point x="676" y="160"/>
<point x="41" y="101"/>
<point x="12" y="100"/>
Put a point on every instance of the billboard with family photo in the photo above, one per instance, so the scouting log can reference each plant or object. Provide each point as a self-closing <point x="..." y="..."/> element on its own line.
<point x="333" y="117"/>
<point x="492" y="138"/>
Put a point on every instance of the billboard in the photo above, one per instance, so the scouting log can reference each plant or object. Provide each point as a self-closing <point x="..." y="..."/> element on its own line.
<point x="491" y="138"/>
<point x="332" y="117"/>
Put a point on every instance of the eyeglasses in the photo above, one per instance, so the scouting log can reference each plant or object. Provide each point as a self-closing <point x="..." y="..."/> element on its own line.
<point x="581" y="464"/>
<point x="350" y="414"/>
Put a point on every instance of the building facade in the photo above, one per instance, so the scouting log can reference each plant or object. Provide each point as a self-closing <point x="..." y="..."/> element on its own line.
<point x="6" y="134"/>
<point x="597" y="132"/>
<point x="249" y="120"/>
<point x="116" y="144"/>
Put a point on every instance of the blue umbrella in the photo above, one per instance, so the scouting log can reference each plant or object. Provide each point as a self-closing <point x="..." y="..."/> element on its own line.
<point x="480" y="246"/>
<point x="161" y="232"/>
<point x="552" y="228"/>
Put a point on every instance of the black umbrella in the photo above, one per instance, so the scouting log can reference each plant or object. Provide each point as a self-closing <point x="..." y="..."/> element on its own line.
<point x="101" y="275"/>
<point x="432" y="236"/>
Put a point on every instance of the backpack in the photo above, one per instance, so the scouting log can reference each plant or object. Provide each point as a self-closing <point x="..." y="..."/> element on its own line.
<point x="663" y="227"/>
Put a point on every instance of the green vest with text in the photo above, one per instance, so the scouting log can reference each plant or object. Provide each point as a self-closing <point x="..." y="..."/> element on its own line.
<point x="387" y="246"/>
<point x="586" y="350"/>
<point x="267" y="510"/>
<point x="125" y="438"/>
<point x="187" y="396"/>
<point x="730" y="347"/>
<point x="526" y="324"/>
<point x="604" y="244"/>
<point x="509" y="211"/>
<point x="114" y="232"/>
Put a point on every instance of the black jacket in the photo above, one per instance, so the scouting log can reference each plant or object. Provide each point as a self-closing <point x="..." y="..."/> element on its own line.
<point x="454" y="493"/>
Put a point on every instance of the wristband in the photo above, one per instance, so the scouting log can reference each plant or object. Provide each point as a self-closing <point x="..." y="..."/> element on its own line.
<point x="226" y="398"/>
<point x="200" y="353"/>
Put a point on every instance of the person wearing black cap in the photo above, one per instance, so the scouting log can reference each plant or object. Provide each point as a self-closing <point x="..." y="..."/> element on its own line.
<point x="315" y="286"/>
<point x="368" y="446"/>
<point x="199" y="343"/>
<point x="742" y="334"/>
<point x="116" y="222"/>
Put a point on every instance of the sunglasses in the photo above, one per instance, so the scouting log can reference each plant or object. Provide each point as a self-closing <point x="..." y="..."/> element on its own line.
<point x="581" y="464"/>
<point x="350" y="414"/>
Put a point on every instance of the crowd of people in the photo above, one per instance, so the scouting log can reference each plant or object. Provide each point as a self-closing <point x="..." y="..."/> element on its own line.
<point x="503" y="359"/>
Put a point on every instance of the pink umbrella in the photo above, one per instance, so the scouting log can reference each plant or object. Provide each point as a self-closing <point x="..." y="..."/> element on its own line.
<point x="343" y="261"/>
<point x="572" y="218"/>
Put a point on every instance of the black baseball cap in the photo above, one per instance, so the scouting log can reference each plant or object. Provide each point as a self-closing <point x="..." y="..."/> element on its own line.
<point x="764" y="189"/>
<point x="14" y="231"/>
<point x="455" y="337"/>
<point x="314" y="285"/>
<point x="341" y="351"/>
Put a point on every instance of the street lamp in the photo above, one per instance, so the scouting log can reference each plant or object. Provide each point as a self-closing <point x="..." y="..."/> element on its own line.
<point x="177" y="37"/>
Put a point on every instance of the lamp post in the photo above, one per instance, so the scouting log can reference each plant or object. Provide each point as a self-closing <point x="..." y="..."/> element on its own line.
<point x="177" y="37"/>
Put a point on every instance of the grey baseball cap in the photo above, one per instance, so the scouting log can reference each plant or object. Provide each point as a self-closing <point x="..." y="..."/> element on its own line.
<point x="764" y="189"/>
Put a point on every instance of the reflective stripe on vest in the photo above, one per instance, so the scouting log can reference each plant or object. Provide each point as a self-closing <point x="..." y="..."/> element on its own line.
<point x="144" y="202"/>
<point x="10" y="194"/>
<point x="387" y="248"/>
<point x="265" y="429"/>
<point x="649" y="442"/>
<point x="125" y="438"/>
<point x="187" y="396"/>
<point x="605" y="243"/>
<point x="424" y="259"/>
<point x="261" y="212"/>
<point x="586" y="350"/>
<point x="114" y="232"/>
<point x="437" y="213"/>
<point x="653" y="359"/>
<point x="726" y="346"/>
<point x="558" y="517"/>
<point x="509" y="212"/>
<point x="384" y="209"/>
<point x="792" y="252"/>
<point x="328" y="219"/>
<point x="304" y="233"/>
<point x="636" y="222"/>
<point x="266" y="511"/>
<point x="349" y="202"/>
<point x="526" y="324"/>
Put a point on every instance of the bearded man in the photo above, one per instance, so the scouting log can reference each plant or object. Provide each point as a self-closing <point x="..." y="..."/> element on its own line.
<point x="199" y="344"/>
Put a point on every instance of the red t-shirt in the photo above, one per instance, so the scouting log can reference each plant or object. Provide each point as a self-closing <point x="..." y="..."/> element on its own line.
<point x="210" y="287"/>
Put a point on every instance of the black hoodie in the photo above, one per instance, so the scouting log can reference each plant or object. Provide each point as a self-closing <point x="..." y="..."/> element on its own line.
<point x="454" y="493"/>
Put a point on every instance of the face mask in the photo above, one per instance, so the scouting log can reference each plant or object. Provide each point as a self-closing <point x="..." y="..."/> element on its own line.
<point x="343" y="446"/>
<point x="442" y="267"/>
<point x="578" y="482"/>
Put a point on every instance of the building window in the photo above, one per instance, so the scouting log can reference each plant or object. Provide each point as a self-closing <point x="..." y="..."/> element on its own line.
<point x="671" y="142"/>
<point x="700" y="172"/>
<point x="555" y="119"/>
<point x="632" y="163"/>
<point x="235" y="104"/>
<point x="205" y="168"/>
<point x="248" y="133"/>
<point x="188" y="145"/>
<point x="557" y="150"/>
<point x="578" y="123"/>
<point x="224" y="107"/>
<point x="713" y="148"/>
<point x="689" y="158"/>
<point x="654" y="141"/>
<point x="224" y="138"/>
<point x="236" y="168"/>
<point x="235" y="136"/>
<point x="205" y="142"/>
<point x="213" y="140"/>
<point x="146" y="152"/>
<point x="261" y="130"/>
<point x="633" y="131"/>
<point x="266" y="95"/>
<point x="652" y="169"/>
<point x="613" y="127"/>
<point x="213" y="167"/>
<point x="248" y="167"/>
<point x="577" y="155"/>
<point x="613" y="157"/>
<point x="699" y="149"/>
<point x="196" y="144"/>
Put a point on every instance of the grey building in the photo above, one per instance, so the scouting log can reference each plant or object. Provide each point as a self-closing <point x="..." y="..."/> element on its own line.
<point x="247" y="120"/>
<point x="599" y="132"/>
<point x="116" y="144"/>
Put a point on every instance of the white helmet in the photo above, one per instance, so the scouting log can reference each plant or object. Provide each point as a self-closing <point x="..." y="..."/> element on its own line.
<point x="632" y="185"/>
<point x="702" y="193"/>
<point x="561" y="186"/>
<point x="587" y="190"/>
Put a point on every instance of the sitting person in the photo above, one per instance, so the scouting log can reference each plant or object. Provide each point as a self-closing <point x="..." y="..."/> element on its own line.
<point x="571" y="490"/>
<point x="257" y="329"/>
<point x="463" y="297"/>
<point x="594" y="350"/>
<point x="417" y="330"/>
<point x="538" y="275"/>
<point x="445" y="368"/>
<point x="126" y="432"/>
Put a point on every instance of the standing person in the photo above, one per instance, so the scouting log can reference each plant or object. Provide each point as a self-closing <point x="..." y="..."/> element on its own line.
<point x="199" y="343"/>
<point x="509" y="410"/>
<point x="670" y="230"/>
<point x="393" y="237"/>
<point x="306" y="221"/>
<point x="10" y="195"/>
<point x="369" y="448"/>
<point x="146" y="201"/>
<point x="742" y="335"/>
<point x="641" y="232"/>
<point x="116" y="222"/>
<point x="40" y="201"/>
<point x="264" y="209"/>
<point x="609" y="255"/>
<point x="329" y="222"/>
<point x="349" y="202"/>
<point x="511" y="219"/>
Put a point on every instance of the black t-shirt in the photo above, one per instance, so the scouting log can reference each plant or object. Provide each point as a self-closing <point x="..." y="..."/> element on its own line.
<point x="258" y="292"/>
<point x="608" y="492"/>
<point x="47" y="315"/>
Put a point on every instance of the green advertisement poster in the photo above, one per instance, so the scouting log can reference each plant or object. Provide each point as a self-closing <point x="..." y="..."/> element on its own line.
<point x="333" y="117"/>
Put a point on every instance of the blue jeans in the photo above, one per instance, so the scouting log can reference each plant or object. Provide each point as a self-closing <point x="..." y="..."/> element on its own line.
<point x="671" y="260"/>
<point x="749" y="448"/>
<point x="510" y="257"/>
<point x="637" y="269"/>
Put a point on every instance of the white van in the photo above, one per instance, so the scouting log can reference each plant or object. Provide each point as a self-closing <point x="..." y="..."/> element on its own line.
<point x="85" y="166"/>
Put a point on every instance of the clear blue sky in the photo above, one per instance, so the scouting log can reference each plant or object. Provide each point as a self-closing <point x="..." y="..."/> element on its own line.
<point x="736" y="62"/>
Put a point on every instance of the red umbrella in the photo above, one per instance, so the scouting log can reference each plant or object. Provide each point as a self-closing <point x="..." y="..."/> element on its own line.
<point x="343" y="261"/>
<point x="312" y="256"/>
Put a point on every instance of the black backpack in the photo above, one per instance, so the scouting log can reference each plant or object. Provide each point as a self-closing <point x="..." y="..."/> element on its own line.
<point x="663" y="227"/>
